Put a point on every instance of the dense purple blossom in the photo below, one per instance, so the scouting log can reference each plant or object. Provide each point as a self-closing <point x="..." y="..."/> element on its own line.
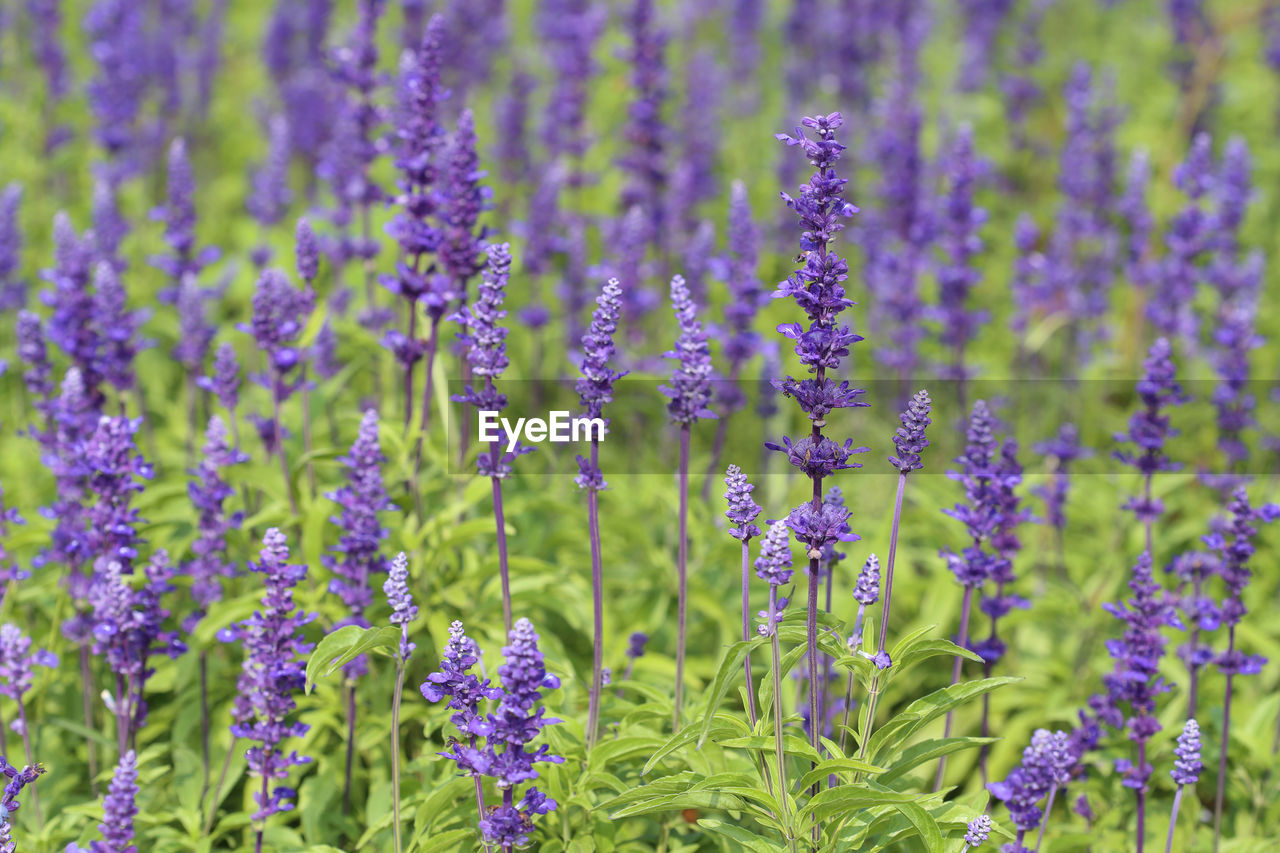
<point x="117" y="44"/>
<point x="119" y="808"/>
<point x="465" y="691"/>
<point x="403" y="610"/>
<point x="1186" y="755"/>
<point x="979" y="474"/>
<point x="743" y="510"/>
<point x="357" y="556"/>
<point x="463" y="199"/>
<point x="961" y="220"/>
<point x="10" y="569"/>
<point x="1149" y="427"/>
<point x="646" y="134"/>
<point x="16" y="780"/>
<point x="71" y="424"/>
<point x="773" y="566"/>
<point x="31" y="349"/>
<point x="909" y="439"/>
<point x="516" y="722"/>
<point x="120" y="342"/>
<point x="1064" y="449"/>
<point x="867" y="591"/>
<point x="13" y="289"/>
<point x="977" y="831"/>
<point x="208" y="493"/>
<point x="1187" y="240"/>
<point x="197" y="331"/>
<point x="1234" y="541"/>
<point x="983" y="20"/>
<point x="747" y="296"/>
<point x="421" y="139"/>
<point x="186" y="259"/>
<point x="17" y="662"/>
<point x="690" y="390"/>
<point x="72" y="326"/>
<point x="116" y="472"/>
<point x="223" y="381"/>
<point x="512" y="119"/>
<point x="269" y="196"/>
<point x="595" y="386"/>
<point x="1134" y="683"/>
<point x="1046" y="764"/>
<point x="569" y="29"/>
<point x="272" y="672"/>
<point x="279" y="313"/>
<point x="1132" y="207"/>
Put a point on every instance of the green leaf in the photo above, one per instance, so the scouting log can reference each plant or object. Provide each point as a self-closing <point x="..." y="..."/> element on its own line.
<point x="730" y="667"/>
<point x="934" y="648"/>
<point x="453" y="840"/>
<point x="746" y="839"/>
<point x="835" y="765"/>
<point x="844" y="798"/>
<point x="730" y="724"/>
<point x="926" y="751"/>
<point x="353" y="642"/>
<point x="926" y="709"/>
<point x="924" y="823"/>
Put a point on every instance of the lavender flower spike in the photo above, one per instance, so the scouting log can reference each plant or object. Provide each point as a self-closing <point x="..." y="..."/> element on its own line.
<point x="273" y="671"/>
<point x="818" y="289"/>
<point x="688" y="394"/>
<point x="743" y="511"/>
<point x="403" y="611"/>
<point x="977" y="832"/>
<point x="1186" y="770"/>
<point x="595" y="389"/>
<point x="17" y="780"/>
<point x="120" y="807"/>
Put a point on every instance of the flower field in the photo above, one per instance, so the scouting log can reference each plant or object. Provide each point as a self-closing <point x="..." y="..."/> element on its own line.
<point x="639" y="425"/>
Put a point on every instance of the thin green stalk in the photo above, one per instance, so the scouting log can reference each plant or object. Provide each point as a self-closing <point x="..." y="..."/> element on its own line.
<point x="1173" y="819"/>
<point x="783" y="788"/>
<point x="395" y="754"/>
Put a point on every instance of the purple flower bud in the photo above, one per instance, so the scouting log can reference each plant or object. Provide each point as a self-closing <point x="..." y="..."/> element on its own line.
<point x="773" y="566"/>
<point x="978" y="831"/>
<point x="743" y="510"/>
<point x="690" y="389"/>
<point x="909" y="440"/>
<point x="1186" y="764"/>
<point x="867" y="592"/>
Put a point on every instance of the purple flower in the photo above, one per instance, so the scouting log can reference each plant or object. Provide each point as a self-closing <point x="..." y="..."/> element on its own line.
<point x="223" y="381"/>
<point x="1064" y="449"/>
<point x="516" y="722"/>
<point x="690" y="389"/>
<point x="115" y="470"/>
<point x="979" y="475"/>
<point x="462" y="243"/>
<point x="1234" y="541"/>
<point x="645" y="134"/>
<point x="117" y="44"/>
<point x="17" y="662"/>
<point x="1046" y="764"/>
<point x="10" y="569"/>
<point x="465" y="692"/>
<point x="1149" y="427"/>
<point x="909" y="440"/>
<point x="978" y="831"/>
<point x="421" y="139"/>
<point x="358" y="554"/>
<point x="638" y="641"/>
<point x="867" y="592"/>
<point x="119" y="343"/>
<point x="743" y="510"/>
<point x="185" y="260"/>
<point x="269" y="195"/>
<point x="1134" y="682"/>
<point x="279" y="314"/>
<point x="484" y="335"/>
<point x="773" y="566"/>
<point x="1186" y="755"/>
<point x="71" y="425"/>
<point x="72" y="326"/>
<point x="1187" y="239"/>
<point x="13" y="289"/>
<point x="595" y="386"/>
<point x="35" y="355"/>
<point x="273" y="671"/>
<point x="208" y="493"/>
<point x="512" y="119"/>
<point x="403" y="610"/>
<point x="17" y="780"/>
<point x="119" y="808"/>
<point x="746" y="294"/>
<point x="961" y="221"/>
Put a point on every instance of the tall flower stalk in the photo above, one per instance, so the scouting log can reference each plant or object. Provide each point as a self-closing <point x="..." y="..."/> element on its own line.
<point x="403" y="611"/>
<point x="119" y="808"/>
<point x="818" y="289"/>
<point x="595" y="389"/>
<point x="1235" y="543"/>
<point x="358" y="555"/>
<point x="485" y="338"/>
<point x="16" y="781"/>
<point x="743" y="511"/>
<point x="689" y="394"/>
<point x="273" y="671"/>
<point x="773" y="566"/>
<point x="909" y="442"/>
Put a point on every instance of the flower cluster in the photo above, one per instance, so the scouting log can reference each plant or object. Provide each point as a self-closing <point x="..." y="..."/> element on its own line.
<point x="595" y="386"/>
<point x="980" y="514"/>
<point x="186" y="260"/>
<point x="909" y="440"/>
<point x="403" y="610"/>
<point x="1186" y="765"/>
<point x="208" y="493"/>
<point x="1234" y="542"/>
<point x="1064" y="449"/>
<point x="508" y="730"/>
<point x="1134" y="682"/>
<point x="1149" y="427"/>
<point x="357" y="556"/>
<point x="17" y="780"/>
<point x="116" y="470"/>
<point x="1046" y="766"/>
<point x="119" y="808"/>
<point x="743" y="510"/>
<point x="690" y="389"/>
<point x="17" y="662"/>
<point x="279" y="313"/>
<point x="272" y="672"/>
